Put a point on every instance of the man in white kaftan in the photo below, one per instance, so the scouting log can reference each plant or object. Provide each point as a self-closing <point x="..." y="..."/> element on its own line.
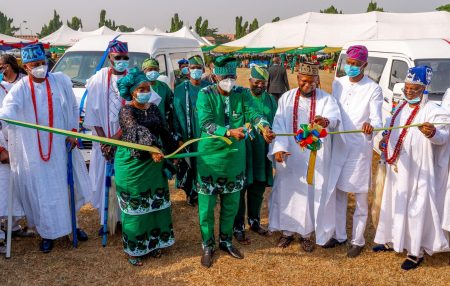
<point x="39" y="160"/>
<point x="295" y="206"/>
<point x="360" y="101"/>
<point x="103" y="104"/>
<point x="446" y="207"/>
<point x="409" y="218"/>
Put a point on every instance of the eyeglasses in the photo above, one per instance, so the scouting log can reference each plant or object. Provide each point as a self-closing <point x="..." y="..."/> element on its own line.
<point x="411" y="91"/>
<point x="229" y="76"/>
<point x="121" y="57"/>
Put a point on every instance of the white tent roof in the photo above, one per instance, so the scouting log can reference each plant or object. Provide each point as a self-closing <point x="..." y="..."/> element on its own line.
<point x="103" y="31"/>
<point x="9" y="39"/>
<point x="64" y="36"/>
<point x="190" y="34"/>
<point x="147" y="31"/>
<point x="334" y="30"/>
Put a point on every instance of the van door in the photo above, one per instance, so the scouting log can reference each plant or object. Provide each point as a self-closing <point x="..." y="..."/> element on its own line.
<point x="397" y="74"/>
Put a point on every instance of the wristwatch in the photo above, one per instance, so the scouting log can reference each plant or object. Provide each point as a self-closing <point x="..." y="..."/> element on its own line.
<point x="228" y="134"/>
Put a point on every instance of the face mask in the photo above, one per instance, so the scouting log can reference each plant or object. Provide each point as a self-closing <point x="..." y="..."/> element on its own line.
<point x="352" y="71"/>
<point x="40" y="71"/>
<point x="185" y="70"/>
<point x="413" y="101"/>
<point x="143" y="98"/>
<point x="258" y="90"/>
<point x="1" y="77"/>
<point x="196" y="74"/>
<point x="152" y="75"/>
<point x="121" y="65"/>
<point x="227" y="84"/>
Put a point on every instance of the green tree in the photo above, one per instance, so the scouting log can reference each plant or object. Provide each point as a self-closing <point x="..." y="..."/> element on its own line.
<point x="202" y="27"/>
<point x="374" y="7"/>
<point x="253" y="26"/>
<point x="111" y="23"/>
<point x="175" y="23"/>
<point x="276" y="19"/>
<point x="6" y="26"/>
<point x="102" y="21"/>
<point x="241" y="29"/>
<point x="331" y="10"/>
<point x="444" y="8"/>
<point x="52" y="26"/>
<point x="75" y="23"/>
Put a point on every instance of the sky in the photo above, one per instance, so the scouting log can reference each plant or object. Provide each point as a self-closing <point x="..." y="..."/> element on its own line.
<point x="157" y="13"/>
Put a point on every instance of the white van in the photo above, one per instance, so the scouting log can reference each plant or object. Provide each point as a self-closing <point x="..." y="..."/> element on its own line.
<point x="81" y="60"/>
<point x="389" y="61"/>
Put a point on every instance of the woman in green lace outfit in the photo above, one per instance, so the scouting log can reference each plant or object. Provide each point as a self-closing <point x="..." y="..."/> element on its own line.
<point x="142" y="189"/>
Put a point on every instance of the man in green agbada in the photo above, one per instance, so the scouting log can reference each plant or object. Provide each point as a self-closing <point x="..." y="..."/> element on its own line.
<point x="258" y="167"/>
<point x="223" y="110"/>
<point x="163" y="95"/>
<point x="187" y="127"/>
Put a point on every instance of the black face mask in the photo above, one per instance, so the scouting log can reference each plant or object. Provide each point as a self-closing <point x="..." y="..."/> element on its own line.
<point x="307" y="95"/>
<point x="258" y="90"/>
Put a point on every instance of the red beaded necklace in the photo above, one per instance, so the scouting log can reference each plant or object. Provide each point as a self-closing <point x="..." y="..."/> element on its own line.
<point x="312" y="110"/>
<point x="398" y="146"/>
<point x="45" y="157"/>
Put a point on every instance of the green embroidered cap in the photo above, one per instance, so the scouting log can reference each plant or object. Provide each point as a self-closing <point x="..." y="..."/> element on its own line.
<point x="225" y="65"/>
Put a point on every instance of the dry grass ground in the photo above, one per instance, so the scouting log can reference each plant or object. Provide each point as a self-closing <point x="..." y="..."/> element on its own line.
<point x="264" y="263"/>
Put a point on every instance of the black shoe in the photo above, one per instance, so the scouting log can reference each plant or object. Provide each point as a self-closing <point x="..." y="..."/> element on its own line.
<point x="307" y="244"/>
<point x="231" y="250"/>
<point x="46" y="245"/>
<point x="354" y="251"/>
<point x="240" y="237"/>
<point x="192" y="200"/>
<point x="382" y="247"/>
<point x="333" y="242"/>
<point x="23" y="232"/>
<point x="81" y="235"/>
<point x="411" y="262"/>
<point x="285" y="241"/>
<point x="207" y="256"/>
<point x="256" y="227"/>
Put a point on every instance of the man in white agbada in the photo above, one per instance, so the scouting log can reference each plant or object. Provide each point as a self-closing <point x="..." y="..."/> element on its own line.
<point x="103" y="104"/>
<point x="39" y="159"/>
<point x="295" y="206"/>
<point x="446" y="206"/>
<point x="409" y="218"/>
<point x="360" y="101"/>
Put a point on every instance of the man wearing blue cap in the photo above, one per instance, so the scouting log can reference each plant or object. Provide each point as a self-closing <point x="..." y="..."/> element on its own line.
<point x="409" y="218"/>
<point x="103" y="103"/>
<point x="183" y="75"/>
<point x="39" y="159"/>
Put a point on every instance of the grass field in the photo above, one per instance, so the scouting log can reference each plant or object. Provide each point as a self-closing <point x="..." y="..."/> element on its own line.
<point x="264" y="263"/>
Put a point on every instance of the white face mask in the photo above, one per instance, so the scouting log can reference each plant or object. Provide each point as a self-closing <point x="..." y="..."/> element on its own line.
<point x="40" y="71"/>
<point x="227" y="84"/>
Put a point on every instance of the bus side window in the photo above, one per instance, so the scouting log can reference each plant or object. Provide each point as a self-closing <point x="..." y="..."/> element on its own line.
<point x="398" y="73"/>
<point x="162" y="64"/>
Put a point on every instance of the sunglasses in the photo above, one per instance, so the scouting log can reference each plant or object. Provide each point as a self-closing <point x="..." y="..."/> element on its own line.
<point x="121" y="57"/>
<point x="229" y="76"/>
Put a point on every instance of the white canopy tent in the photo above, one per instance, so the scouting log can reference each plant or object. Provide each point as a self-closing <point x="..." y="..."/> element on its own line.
<point x="334" y="30"/>
<point x="147" y="31"/>
<point x="9" y="39"/>
<point x="185" y="32"/>
<point x="64" y="36"/>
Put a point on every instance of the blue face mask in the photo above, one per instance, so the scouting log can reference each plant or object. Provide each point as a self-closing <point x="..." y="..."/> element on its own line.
<point x="121" y="65"/>
<point x="196" y="74"/>
<point x="143" y="98"/>
<point x="1" y="77"/>
<point x="152" y="75"/>
<point x="185" y="70"/>
<point x="352" y="71"/>
<point x="413" y="101"/>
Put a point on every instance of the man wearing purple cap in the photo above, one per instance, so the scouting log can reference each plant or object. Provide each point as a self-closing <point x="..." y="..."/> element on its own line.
<point x="360" y="101"/>
<point x="102" y="116"/>
<point x="409" y="217"/>
<point x="39" y="159"/>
